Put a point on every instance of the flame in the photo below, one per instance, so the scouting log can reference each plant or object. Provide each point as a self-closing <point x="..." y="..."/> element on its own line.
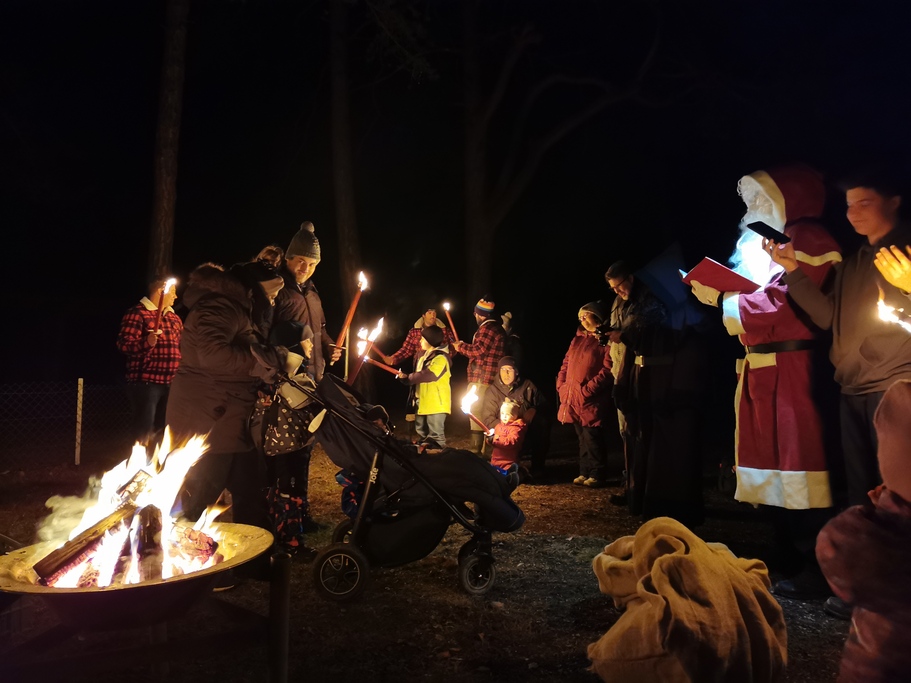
<point x="142" y="481"/>
<point x="446" y="306"/>
<point x="169" y="284"/>
<point x="362" y="348"/>
<point x="469" y="399"/>
<point x="890" y="313"/>
<point x="376" y="331"/>
<point x="361" y="281"/>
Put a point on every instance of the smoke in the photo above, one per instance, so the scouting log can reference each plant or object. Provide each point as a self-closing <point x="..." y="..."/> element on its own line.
<point x="67" y="512"/>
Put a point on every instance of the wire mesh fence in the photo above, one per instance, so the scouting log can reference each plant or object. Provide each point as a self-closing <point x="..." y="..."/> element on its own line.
<point x="45" y="424"/>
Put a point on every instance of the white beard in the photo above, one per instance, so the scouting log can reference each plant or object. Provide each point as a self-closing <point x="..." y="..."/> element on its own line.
<point x="749" y="258"/>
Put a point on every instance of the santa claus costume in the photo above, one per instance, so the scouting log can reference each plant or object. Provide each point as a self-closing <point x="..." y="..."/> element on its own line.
<point x="779" y="440"/>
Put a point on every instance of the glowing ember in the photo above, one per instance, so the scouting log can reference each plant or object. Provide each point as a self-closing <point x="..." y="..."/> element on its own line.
<point x="126" y="534"/>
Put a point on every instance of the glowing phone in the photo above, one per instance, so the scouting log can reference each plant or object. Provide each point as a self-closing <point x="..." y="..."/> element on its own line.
<point x="768" y="232"/>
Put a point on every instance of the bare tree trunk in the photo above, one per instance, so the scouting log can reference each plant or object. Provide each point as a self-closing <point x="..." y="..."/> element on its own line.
<point x="349" y="257"/>
<point x="161" y="238"/>
<point x="346" y="220"/>
<point x="478" y="237"/>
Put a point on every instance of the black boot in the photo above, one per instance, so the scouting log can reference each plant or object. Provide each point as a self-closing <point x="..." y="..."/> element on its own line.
<point x="477" y="442"/>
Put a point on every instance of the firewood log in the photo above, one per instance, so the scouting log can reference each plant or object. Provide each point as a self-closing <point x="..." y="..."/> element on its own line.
<point x="75" y="551"/>
<point x="148" y="544"/>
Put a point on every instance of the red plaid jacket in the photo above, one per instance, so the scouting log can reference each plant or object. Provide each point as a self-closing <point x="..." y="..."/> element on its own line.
<point x="412" y="344"/>
<point x="154" y="364"/>
<point x="486" y="349"/>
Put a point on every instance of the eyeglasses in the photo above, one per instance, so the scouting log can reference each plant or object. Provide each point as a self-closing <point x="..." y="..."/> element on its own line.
<point x="616" y="287"/>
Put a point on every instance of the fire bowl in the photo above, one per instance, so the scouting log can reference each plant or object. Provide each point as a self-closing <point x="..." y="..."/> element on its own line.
<point x="137" y="604"/>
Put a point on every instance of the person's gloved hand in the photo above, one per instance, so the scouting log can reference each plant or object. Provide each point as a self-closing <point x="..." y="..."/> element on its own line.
<point x="707" y="295"/>
<point x="269" y="361"/>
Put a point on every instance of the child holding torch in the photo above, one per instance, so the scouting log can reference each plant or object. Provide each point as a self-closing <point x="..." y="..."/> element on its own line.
<point x="431" y="379"/>
<point x="507" y="438"/>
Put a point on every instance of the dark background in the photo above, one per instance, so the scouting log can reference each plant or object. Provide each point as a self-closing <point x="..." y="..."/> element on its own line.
<point x="736" y="87"/>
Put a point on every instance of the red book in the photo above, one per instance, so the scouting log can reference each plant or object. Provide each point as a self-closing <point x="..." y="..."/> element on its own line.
<point x="713" y="274"/>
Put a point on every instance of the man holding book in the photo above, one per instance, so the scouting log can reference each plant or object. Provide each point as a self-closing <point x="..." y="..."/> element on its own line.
<point x="780" y="450"/>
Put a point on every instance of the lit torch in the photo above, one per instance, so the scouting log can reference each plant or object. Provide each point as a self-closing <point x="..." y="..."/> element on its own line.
<point x="385" y="367"/>
<point x="164" y="290"/>
<point x="363" y="348"/>
<point x="455" y="334"/>
<point x="468" y="400"/>
<point x="891" y="314"/>
<point x="361" y="286"/>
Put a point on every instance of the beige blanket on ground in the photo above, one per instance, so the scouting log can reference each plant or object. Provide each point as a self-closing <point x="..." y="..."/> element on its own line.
<point x="694" y="611"/>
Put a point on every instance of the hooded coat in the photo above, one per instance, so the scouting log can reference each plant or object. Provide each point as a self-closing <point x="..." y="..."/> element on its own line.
<point x="215" y="386"/>
<point x="779" y="450"/>
<point x="584" y="381"/>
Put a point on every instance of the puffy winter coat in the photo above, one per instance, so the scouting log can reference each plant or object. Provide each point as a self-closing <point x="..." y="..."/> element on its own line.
<point x="301" y="303"/>
<point x="584" y="382"/>
<point x="215" y="386"/>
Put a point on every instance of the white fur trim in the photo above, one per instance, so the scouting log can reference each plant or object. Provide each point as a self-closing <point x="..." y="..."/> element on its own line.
<point x="730" y="308"/>
<point x="828" y="257"/>
<point x="770" y="190"/>
<point x="791" y="490"/>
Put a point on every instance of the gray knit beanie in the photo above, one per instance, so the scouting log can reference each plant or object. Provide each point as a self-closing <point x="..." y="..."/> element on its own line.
<point x="304" y="243"/>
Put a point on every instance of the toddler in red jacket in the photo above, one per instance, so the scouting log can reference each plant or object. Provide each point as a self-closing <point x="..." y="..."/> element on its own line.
<point x="507" y="436"/>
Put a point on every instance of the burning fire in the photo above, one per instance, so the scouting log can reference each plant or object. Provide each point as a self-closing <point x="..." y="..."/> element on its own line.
<point x="362" y="343"/>
<point x="891" y="314"/>
<point x="126" y="535"/>
<point x="469" y="399"/>
<point x="361" y="281"/>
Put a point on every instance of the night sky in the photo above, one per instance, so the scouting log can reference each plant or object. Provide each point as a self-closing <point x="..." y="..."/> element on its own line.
<point x="736" y="86"/>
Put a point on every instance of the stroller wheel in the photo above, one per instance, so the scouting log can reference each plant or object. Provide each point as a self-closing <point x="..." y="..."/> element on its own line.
<point x="341" y="572"/>
<point x="342" y="533"/>
<point x="477" y="574"/>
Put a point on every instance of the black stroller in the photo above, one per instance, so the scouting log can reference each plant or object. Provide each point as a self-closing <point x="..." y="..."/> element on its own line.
<point x="408" y="499"/>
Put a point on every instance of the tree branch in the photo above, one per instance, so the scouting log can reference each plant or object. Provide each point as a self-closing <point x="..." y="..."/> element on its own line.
<point x="526" y="38"/>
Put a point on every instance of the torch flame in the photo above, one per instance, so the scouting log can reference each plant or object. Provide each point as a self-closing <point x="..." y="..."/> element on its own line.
<point x="361" y="281"/>
<point x="469" y="399"/>
<point x="446" y="305"/>
<point x="890" y="313"/>
<point x="169" y="284"/>
<point x="361" y="347"/>
<point x="376" y="331"/>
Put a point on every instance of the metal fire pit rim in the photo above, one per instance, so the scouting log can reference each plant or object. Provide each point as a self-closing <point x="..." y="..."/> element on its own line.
<point x="250" y="542"/>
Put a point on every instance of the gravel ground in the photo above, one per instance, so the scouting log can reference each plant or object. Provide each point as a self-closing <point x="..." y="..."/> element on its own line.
<point x="413" y="622"/>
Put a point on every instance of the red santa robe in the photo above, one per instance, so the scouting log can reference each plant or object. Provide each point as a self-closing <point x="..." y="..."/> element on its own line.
<point x="779" y="453"/>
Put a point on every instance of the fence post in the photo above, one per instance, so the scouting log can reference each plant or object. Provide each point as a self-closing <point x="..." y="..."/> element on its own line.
<point x="78" y="419"/>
